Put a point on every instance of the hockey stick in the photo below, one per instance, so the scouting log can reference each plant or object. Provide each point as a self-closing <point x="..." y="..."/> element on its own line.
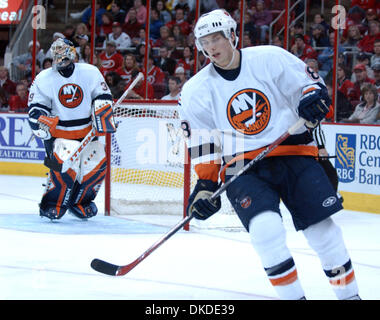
<point x="68" y="163"/>
<point x="115" y="270"/>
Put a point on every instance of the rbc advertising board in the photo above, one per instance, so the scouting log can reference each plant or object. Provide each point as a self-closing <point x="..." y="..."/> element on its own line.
<point x="357" y="151"/>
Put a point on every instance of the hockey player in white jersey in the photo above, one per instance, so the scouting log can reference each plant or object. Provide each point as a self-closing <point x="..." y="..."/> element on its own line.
<point x="230" y="110"/>
<point x="65" y="102"/>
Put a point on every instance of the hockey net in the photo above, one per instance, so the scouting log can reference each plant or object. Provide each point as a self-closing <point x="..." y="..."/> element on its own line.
<point x="150" y="172"/>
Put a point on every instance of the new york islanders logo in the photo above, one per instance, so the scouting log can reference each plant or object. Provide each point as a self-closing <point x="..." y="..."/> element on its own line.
<point x="70" y="95"/>
<point x="249" y="111"/>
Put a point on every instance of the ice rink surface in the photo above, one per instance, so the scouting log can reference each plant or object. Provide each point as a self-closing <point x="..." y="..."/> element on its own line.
<point x="44" y="260"/>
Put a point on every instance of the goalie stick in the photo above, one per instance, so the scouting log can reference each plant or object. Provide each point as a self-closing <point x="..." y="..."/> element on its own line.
<point x="64" y="166"/>
<point x="121" y="270"/>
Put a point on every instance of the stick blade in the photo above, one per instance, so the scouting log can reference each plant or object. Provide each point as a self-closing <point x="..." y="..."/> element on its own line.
<point x="105" y="267"/>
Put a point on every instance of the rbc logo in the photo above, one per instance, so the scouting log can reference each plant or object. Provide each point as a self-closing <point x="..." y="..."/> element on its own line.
<point x="345" y="160"/>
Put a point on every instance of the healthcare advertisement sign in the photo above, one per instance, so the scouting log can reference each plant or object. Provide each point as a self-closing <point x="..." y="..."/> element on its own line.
<point x="17" y="143"/>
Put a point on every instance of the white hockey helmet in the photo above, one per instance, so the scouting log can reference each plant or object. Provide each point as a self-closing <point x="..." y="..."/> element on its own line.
<point x="63" y="52"/>
<point x="215" y="21"/>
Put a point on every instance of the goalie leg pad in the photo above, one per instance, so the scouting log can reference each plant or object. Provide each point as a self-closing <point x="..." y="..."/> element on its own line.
<point x="93" y="168"/>
<point x="55" y="200"/>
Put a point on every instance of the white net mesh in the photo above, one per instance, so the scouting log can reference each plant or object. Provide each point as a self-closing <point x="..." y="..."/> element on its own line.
<point x="147" y="164"/>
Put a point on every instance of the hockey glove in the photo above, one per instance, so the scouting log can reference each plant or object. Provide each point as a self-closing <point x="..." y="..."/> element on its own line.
<point x="47" y="127"/>
<point x="200" y="204"/>
<point x="314" y="104"/>
<point x="102" y="117"/>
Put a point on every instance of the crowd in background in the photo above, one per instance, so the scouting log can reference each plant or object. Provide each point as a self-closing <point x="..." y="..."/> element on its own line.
<point x="120" y="50"/>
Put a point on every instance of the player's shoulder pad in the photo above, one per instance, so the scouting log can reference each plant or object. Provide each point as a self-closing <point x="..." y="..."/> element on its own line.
<point x="86" y="67"/>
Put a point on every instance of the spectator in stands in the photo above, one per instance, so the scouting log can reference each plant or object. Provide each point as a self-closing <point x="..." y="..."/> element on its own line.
<point x="122" y="40"/>
<point x="361" y="79"/>
<point x="179" y="19"/>
<point x="325" y="58"/>
<point x="186" y="61"/>
<point x="106" y="28"/>
<point x="174" y="85"/>
<point x="246" y="41"/>
<point x="85" y="53"/>
<point x="251" y="29"/>
<point x="99" y="10"/>
<point x="69" y="32"/>
<point x="262" y="18"/>
<point x="166" y="63"/>
<point x="320" y="19"/>
<point x="111" y="60"/>
<point x="364" y="58"/>
<point x="165" y="32"/>
<point x="302" y="50"/>
<point x="155" y="24"/>
<point x="164" y="15"/>
<point x="137" y="41"/>
<point x="156" y="77"/>
<point x="202" y="60"/>
<point x="117" y="11"/>
<point x="131" y="25"/>
<point x="180" y="73"/>
<point x="353" y="37"/>
<point x="376" y="57"/>
<point x="368" y="41"/>
<point x="344" y="84"/>
<point x="370" y="16"/>
<point x="186" y="5"/>
<point x="236" y="13"/>
<point x="298" y="28"/>
<point x="6" y="84"/>
<point x="3" y="101"/>
<point x="278" y="41"/>
<point x="142" y="90"/>
<point x="345" y="93"/>
<point x="19" y="101"/>
<point x="313" y="64"/>
<point x="368" y="110"/>
<point x="23" y="62"/>
<point x="173" y="52"/>
<point x="112" y="79"/>
<point x="180" y="40"/>
<point x="80" y="30"/>
<point x="47" y="63"/>
<point x="129" y="65"/>
<point x="82" y="40"/>
<point x="140" y="10"/>
<point x="376" y="71"/>
<point x="318" y="38"/>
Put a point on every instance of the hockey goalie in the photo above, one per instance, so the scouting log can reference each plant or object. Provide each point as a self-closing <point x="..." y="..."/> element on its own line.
<point x="65" y="103"/>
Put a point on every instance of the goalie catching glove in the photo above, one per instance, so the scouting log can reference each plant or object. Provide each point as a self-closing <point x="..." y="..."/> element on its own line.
<point x="102" y="117"/>
<point x="314" y="104"/>
<point x="200" y="204"/>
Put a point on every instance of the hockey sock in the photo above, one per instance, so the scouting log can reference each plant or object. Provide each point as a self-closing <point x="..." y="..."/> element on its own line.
<point x="268" y="237"/>
<point x="326" y="239"/>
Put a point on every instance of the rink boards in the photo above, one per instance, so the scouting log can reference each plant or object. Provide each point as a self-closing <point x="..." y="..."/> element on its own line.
<point x="357" y="151"/>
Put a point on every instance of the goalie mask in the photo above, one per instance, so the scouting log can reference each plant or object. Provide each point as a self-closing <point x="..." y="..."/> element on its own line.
<point x="218" y="20"/>
<point x="63" y="53"/>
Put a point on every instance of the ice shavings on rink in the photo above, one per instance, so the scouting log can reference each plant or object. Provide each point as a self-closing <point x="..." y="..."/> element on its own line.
<point x="40" y="259"/>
